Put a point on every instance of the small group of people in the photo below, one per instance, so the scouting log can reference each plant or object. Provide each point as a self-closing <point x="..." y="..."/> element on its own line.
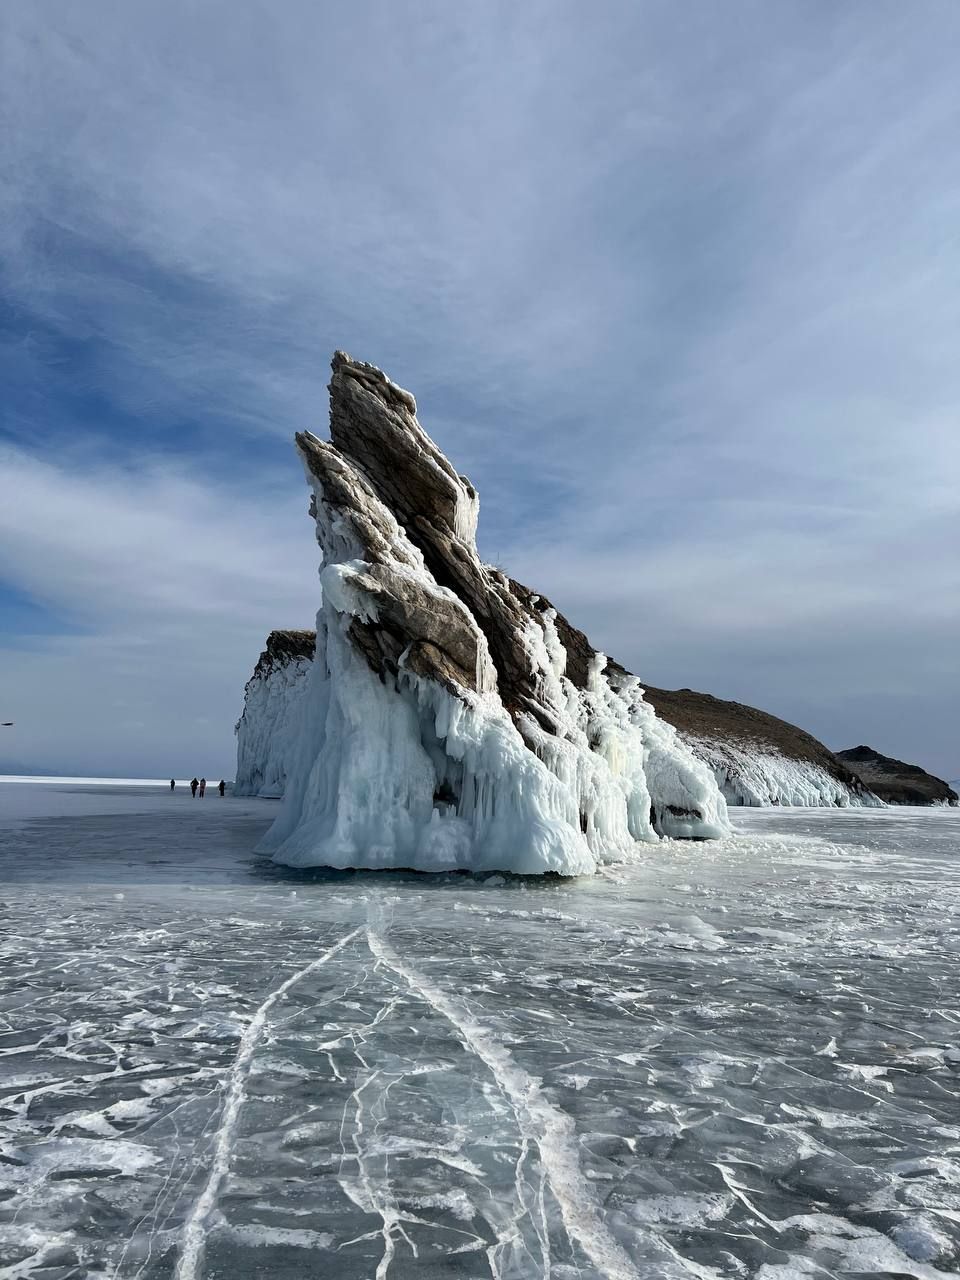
<point x="199" y="785"/>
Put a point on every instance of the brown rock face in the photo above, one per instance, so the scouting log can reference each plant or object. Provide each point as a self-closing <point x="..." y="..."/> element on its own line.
<point x="702" y="716"/>
<point x="405" y="612"/>
<point x="283" y="647"/>
<point x="374" y="428"/>
<point x="897" y="782"/>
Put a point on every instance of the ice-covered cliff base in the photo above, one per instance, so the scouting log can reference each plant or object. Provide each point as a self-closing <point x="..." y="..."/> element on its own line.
<point x="753" y="772"/>
<point x="757" y="758"/>
<point x="756" y="775"/>
<point x="411" y="775"/>
<point x="451" y="718"/>
<point x="267" y="731"/>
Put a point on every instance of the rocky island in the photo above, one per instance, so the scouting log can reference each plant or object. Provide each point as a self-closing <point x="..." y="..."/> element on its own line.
<point x="756" y="758"/>
<point x="451" y="717"/>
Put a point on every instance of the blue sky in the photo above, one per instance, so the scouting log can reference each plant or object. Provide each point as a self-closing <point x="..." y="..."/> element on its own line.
<point x="675" y="284"/>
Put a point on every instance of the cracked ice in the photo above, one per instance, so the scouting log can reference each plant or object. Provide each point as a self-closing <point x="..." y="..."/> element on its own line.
<point x="738" y="1059"/>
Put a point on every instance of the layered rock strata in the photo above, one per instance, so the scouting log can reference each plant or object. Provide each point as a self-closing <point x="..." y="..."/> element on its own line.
<point x="452" y="718"/>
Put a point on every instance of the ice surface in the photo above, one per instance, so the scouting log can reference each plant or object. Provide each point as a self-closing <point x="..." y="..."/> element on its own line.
<point x="737" y="1058"/>
<point x="26" y="797"/>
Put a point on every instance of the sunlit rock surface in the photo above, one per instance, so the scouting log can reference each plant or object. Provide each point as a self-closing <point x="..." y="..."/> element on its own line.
<point x="452" y="718"/>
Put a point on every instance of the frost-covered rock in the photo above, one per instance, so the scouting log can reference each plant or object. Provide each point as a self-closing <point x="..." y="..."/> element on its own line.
<point x="267" y="732"/>
<point x="752" y="773"/>
<point x="452" y="718"/>
<point x="756" y="758"/>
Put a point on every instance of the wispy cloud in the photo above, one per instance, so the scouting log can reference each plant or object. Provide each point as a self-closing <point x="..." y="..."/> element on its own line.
<point x="675" y="286"/>
<point x="154" y="543"/>
<point x="165" y="584"/>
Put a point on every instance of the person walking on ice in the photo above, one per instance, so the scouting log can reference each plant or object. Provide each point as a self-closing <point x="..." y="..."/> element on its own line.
<point x="203" y="787"/>
<point x="221" y="787"/>
<point x="173" y="783"/>
<point x="193" y="788"/>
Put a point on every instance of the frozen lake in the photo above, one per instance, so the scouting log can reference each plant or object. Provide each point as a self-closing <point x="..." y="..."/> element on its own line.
<point x="731" y="1059"/>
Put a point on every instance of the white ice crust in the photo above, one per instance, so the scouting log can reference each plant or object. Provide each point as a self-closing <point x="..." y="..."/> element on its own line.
<point x="751" y="774"/>
<point x="267" y="737"/>
<point x="404" y="773"/>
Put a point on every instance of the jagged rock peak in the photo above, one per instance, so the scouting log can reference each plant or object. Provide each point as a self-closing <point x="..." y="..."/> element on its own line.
<point x="379" y="456"/>
<point x="373" y="422"/>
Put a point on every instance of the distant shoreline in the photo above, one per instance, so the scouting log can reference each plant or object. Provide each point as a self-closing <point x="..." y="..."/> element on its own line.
<point x="101" y="782"/>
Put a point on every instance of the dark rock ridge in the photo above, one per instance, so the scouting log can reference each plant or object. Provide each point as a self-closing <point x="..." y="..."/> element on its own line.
<point x="897" y="782"/>
<point x="283" y="647"/>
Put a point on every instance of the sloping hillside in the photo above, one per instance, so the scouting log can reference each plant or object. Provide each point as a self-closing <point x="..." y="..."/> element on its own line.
<point x="757" y="758"/>
<point x="897" y="782"/>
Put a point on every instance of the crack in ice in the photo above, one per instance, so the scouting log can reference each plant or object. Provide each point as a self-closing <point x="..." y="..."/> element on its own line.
<point x="194" y="1234"/>
<point x="539" y="1121"/>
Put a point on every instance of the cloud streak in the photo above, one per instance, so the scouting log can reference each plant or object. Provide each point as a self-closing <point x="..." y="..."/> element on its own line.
<point x="166" y="584"/>
<point x="674" y="287"/>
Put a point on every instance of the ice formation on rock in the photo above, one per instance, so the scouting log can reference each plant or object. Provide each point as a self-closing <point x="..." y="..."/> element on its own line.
<point x="757" y="758"/>
<point x="267" y="731"/>
<point x="754" y="774"/>
<point x="452" y="718"/>
<point x="786" y="768"/>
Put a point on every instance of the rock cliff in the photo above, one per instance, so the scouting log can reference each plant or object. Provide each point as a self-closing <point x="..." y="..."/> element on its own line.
<point x="452" y="718"/>
<point x="268" y="728"/>
<point x="896" y="782"/>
